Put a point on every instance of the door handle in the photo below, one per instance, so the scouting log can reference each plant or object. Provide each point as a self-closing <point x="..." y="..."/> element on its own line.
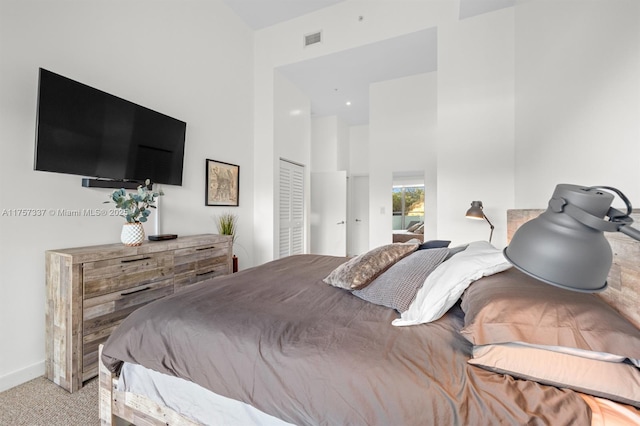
<point x="127" y="293"/>
<point x="340" y="223"/>
<point x="358" y="220"/>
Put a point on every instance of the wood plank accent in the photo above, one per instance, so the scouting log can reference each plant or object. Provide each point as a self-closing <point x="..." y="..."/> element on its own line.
<point x="623" y="291"/>
<point x="90" y="290"/>
<point x="63" y="313"/>
<point x="131" y="407"/>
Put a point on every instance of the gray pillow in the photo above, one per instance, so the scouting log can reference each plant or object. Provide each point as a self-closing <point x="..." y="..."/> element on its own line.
<point x="431" y="244"/>
<point x="397" y="286"/>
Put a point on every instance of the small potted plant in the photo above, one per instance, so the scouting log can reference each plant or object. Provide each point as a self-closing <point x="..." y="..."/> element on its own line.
<point x="227" y="224"/>
<point x="136" y="208"/>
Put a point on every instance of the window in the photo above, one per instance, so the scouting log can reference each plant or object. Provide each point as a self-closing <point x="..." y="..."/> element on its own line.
<point x="408" y="205"/>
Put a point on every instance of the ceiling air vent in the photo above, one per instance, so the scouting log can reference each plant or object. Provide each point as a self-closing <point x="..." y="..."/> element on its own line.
<point x="312" y="38"/>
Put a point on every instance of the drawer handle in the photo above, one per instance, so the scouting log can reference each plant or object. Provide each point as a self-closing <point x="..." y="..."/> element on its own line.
<point x="205" y="248"/>
<point x="127" y="293"/>
<point x="203" y="273"/>
<point x="135" y="260"/>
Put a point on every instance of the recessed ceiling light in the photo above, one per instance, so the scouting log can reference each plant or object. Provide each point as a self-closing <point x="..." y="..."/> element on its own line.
<point x="348" y="103"/>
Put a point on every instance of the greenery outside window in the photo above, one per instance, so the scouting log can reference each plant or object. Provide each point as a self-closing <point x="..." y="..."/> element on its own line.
<point x="408" y="205"/>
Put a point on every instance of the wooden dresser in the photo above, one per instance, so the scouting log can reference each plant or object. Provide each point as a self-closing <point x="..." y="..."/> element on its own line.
<point x="90" y="290"/>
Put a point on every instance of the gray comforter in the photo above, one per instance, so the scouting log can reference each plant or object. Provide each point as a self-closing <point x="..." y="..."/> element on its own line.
<point x="280" y="339"/>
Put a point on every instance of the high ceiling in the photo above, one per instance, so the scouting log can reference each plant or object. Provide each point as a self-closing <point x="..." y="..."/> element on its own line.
<point x="332" y="80"/>
<point x="259" y="14"/>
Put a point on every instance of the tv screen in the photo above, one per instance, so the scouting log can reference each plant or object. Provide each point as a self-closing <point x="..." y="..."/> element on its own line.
<point x="85" y="131"/>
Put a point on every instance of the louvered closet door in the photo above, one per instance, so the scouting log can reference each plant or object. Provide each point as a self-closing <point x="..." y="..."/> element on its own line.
<point x="291" y="209"/>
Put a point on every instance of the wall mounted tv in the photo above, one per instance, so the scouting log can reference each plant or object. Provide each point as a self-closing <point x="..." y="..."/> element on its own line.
<point x="85" y="131"/>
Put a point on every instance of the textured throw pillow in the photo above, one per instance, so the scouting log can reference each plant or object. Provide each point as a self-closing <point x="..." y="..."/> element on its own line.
<point x="361" y="270"/>
<point x="397" y="286"/>
<point x="514" y="307"/>
<point x="612" y="380"/>
<point x="443" y="287"/>
<point x="432" y="244"/>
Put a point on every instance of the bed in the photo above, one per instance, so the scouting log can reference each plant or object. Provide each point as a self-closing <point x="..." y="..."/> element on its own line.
<point x="404" y="236"/>
<point x="415" y="231"/>
<point x="325" y="340"/>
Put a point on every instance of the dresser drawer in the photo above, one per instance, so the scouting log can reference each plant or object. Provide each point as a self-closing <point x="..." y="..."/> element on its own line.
<point x="197" y="264"/>
<point x="114" y="275"/>
<point x="102" y="314"/>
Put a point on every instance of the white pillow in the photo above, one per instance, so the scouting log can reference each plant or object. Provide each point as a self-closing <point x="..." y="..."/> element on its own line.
<point x="445" y="285"/>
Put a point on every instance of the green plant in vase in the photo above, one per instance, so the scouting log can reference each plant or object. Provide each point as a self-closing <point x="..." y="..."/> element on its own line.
<point x="135" y="207"/>
<point x="227" y="225"/>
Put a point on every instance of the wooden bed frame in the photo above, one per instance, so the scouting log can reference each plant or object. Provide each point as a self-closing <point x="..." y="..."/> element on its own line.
<point x="623" y="293"/>
<point x="136" y="409"/>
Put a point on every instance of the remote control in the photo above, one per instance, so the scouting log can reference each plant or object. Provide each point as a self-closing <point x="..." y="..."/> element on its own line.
<point x="162" y="237"/>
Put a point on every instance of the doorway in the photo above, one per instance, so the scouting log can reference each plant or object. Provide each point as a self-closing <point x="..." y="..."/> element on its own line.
<point x="329" y="213"/>
<point x="408" y="200"/>
<point x="358" y="225"/>
<point x="291" y="209"/>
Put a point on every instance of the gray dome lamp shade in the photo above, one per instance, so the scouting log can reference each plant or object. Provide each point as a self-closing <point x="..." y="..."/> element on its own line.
<point x="565" y="246"/>
<point x="476" y="211"/>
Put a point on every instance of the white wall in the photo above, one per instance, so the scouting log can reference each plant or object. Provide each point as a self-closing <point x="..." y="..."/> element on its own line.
<point x="359" y="150"/>
<point x="342" y="29"/>
<point x="329" y="144"/>
<point x="532" y="96"/>
<point x="190" y="59"/>
<point x="402" y="138"/>
<point x="343" y="145"/>
<point x="292" y="135"/>
<point x="577" y="97"/>
<point x="528" y="97"/>
<point x="324" y="143"/>
<point x="475" y="125"/>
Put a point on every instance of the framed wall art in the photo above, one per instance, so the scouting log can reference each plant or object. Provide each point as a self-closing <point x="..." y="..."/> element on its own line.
<point x="223" y="184"/>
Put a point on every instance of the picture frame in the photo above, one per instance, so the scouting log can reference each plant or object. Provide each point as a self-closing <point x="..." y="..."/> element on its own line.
<point x="222" y="186"/>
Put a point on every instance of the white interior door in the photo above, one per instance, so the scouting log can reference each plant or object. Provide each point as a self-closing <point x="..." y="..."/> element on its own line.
<point x="358" y="225"/>
<point x="291" y="209"/>
<point x="329" y="213"/>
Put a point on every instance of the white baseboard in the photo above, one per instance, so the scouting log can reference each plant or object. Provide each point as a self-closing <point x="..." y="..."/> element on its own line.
<point x="21" y="376"/>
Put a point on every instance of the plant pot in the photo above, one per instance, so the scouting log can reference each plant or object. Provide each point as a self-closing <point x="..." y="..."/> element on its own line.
<point x="132" y="234"/>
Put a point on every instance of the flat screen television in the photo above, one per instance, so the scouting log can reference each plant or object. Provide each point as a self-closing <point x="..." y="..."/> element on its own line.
<point x="84" y="131"/>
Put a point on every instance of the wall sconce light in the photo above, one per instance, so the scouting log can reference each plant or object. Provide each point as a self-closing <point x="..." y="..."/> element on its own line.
<point x="565" y="246"/>
<point x="476" y="212"/>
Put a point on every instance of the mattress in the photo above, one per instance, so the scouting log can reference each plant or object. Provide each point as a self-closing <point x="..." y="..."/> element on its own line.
<point x="190" y="400"/>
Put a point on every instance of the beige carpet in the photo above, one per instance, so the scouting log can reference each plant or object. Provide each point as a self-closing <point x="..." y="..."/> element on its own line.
<point x="41" y="402"/>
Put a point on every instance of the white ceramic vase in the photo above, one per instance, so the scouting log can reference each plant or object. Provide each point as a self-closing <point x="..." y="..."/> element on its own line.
<point x="132" y="234"/>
